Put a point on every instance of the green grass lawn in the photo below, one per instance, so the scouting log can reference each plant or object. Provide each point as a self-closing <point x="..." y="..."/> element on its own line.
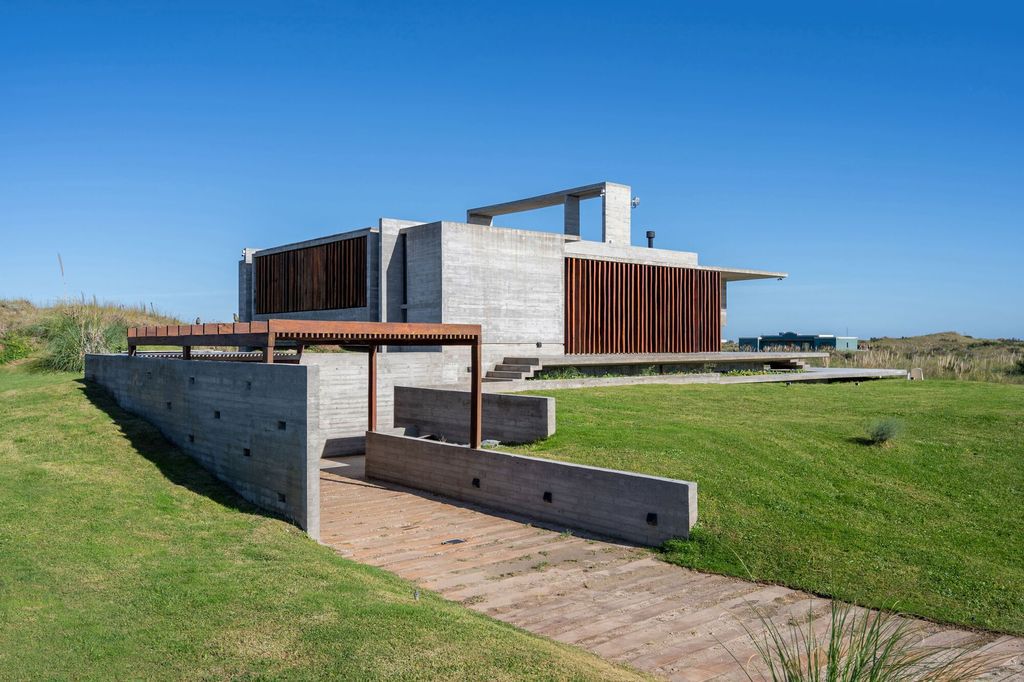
<point x="120" y="558"/>
<point x="789" y="493"/>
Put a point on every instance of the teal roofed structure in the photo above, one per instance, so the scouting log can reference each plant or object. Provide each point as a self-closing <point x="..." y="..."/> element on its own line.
<point x="794" y="341"/>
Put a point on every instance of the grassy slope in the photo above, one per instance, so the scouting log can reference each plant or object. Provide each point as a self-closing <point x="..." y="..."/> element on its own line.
<point x="788" y="494"/>
<point x="121" y="558"/>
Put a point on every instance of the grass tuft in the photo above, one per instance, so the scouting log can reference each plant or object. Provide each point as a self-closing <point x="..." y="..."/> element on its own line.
<point x="861" y="645"/>
<point x="884" y="431"/>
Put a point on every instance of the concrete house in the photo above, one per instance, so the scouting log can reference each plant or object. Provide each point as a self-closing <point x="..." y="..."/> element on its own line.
<point x="536" y="294"/>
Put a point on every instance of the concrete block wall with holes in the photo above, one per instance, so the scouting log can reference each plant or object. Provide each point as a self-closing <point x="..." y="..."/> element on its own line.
<point x="642" y="509"/>
<point x="254" y="426"/>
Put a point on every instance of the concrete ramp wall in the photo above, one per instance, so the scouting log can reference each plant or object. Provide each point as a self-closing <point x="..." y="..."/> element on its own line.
<point x="642" y="509"/>
<point x="254" y="426"/>
<point x="445" y="413"/>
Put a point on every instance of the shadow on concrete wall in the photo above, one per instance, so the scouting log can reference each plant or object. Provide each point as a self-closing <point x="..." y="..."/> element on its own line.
<point x="175" y="465"/>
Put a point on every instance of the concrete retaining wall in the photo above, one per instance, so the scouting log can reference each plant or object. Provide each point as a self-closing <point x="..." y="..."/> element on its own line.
<point x="254" y="426"/>
<point x="634" y="507"/>
<point x="343" y="383"/>
<point x="445" y="413"/>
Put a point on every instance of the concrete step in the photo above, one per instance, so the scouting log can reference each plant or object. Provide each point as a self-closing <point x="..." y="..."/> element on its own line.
<point x="497" y="374"/>
<point x="521" y="361"/>
<point x="493" y="379"/>
<point x="522" y="369"/>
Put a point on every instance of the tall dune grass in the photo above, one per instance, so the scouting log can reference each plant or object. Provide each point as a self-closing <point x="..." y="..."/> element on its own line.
<point x="73" y="331"/>
<point x="71" y="328"/>
<point x="995" y="364"/>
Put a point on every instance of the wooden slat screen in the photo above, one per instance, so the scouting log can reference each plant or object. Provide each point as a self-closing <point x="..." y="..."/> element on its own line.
<point x="323" y="277"/>
<point x="613" y="307"/>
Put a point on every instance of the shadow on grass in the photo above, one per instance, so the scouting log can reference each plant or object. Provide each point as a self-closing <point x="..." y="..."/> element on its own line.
<point x="861" y="440"/>
<point x="175" y="465"/>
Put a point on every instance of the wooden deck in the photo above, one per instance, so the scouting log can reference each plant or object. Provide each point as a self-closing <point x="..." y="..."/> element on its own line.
<point x="618" y="601"/>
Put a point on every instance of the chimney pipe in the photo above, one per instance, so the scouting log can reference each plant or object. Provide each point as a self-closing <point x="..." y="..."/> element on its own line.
<point x="650" y="239"/>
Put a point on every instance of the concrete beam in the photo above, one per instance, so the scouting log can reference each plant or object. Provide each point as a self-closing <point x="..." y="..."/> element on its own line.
<point x="615" y="222"/>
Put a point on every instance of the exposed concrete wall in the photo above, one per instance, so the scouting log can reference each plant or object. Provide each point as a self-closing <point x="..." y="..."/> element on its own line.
<point x="445" y="413"/>
<point x="215" y="411"/>
<point x="613" y="503"/>
<point x="245" y="288"/>
<point x="392" y="254"/>
<point x="616" y="217"/>
<point x="571" y="220"/>
<point x="423" y="262"/>
<point x="343" y="383"/>
<point x="508" y="281"/>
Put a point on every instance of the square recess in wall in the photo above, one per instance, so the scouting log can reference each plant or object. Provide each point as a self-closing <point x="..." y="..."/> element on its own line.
<point x="246" y="452"/>
<point x="281" y="426"/>
<point x="281" y="497"/>
<point x="216" y="414"/>
<point x="191" y="438"/>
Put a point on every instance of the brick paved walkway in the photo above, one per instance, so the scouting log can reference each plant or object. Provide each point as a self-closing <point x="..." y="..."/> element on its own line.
<point x="615" y="600"/>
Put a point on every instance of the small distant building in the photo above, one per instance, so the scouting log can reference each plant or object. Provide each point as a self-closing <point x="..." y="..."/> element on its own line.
<point x="794" y="341"/>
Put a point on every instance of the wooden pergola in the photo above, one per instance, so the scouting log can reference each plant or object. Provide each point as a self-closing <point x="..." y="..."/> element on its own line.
<point x="266" y="335"/>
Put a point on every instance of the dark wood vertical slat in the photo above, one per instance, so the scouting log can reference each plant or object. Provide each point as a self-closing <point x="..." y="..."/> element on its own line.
<point x="613" y="307"/>
<point x="323" y="277"/>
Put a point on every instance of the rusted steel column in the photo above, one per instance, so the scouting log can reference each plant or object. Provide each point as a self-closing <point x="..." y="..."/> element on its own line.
<point x="372" y="392"/>
<point x="268" y="350"/>
<point x="476" y="398"/>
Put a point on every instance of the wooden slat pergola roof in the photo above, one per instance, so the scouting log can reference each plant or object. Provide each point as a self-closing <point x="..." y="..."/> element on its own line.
<point x="371" y="335"/>
<point x="305" y="332"/>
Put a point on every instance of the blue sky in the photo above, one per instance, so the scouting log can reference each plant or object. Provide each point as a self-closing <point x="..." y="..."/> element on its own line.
<point x="875" y="151"/>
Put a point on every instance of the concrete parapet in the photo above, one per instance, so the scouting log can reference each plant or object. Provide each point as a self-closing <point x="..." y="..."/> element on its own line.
<point x="634" y="507"/>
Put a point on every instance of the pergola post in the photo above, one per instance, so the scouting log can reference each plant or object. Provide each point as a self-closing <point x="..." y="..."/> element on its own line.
<point x="371" y="423"/>
<point x="186" y="352"/>
<point x="476" y="397"/>
<point x="268" y="350"/>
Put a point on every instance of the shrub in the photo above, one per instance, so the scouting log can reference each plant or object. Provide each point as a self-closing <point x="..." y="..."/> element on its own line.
<point x="884" y="431"/>
<point x="870" y="645"/>
<point x="1018" y="367"/>
<point x="13" y="347"/>
<point x="74" y="330"/>
<point x="561" y="373"/>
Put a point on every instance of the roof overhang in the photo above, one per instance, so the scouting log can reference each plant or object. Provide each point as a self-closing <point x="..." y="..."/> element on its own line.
<point x="742" y="274"/>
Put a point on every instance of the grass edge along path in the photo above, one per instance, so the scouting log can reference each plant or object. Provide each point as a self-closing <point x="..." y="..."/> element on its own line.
<point x="123" y="558"/>
<point x="791" y="493"/>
